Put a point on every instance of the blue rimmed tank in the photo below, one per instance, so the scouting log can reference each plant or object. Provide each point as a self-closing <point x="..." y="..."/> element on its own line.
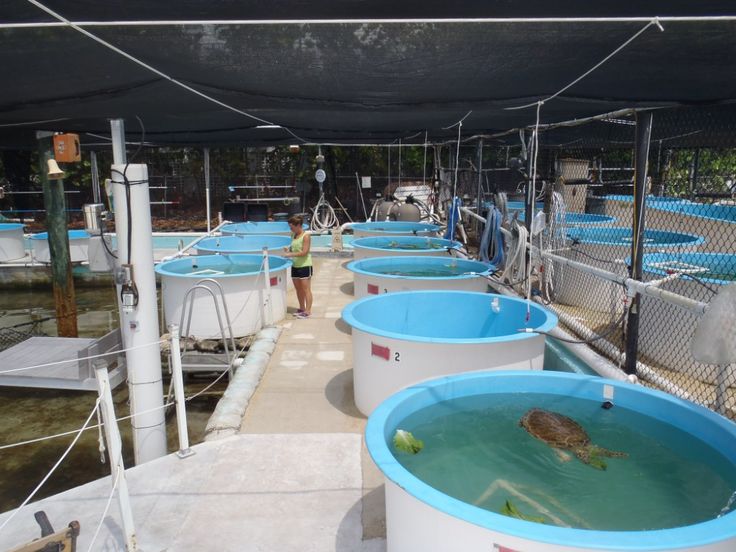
<point x="78" y="246"/>
<point x="11" y="242"/>
<point x="227" y="245"/>
<point x="384" y="246"/>
<point x="376" y="275"/>
<point x="393" y="228"/>
<point x="243" y="281"/>
<point x="257" y="228"/>
<point x="405" y="337"/>
<point x="488" y="478"/>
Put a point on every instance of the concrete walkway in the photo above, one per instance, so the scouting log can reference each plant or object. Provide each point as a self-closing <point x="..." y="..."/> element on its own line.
<point x="308" y="386"/>
<point x="296" y="479"/>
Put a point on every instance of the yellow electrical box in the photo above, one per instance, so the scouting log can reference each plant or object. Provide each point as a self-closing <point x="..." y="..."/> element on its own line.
<point x="66" y="148"/>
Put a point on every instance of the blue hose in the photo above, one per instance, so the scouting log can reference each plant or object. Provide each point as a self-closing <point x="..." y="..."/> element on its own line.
<point x="452" y="218"/>
<point x="492" y="239"/>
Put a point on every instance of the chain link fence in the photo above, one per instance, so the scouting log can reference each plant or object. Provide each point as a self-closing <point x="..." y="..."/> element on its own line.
<point x="689" y="245"/>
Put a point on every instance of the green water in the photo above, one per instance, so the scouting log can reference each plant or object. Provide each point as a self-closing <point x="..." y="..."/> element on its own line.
<point x="414" y="246"/>
<point x="475" y="450"/>
<point x="218" y="270"/>
<point x="438" y="272"/>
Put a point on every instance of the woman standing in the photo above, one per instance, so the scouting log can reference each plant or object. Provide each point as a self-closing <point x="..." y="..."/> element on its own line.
<point x="301" y="270"/>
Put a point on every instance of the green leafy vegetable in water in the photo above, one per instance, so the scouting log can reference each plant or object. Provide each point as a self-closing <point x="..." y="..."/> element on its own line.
<point x="406" y="442"/>
<point x="509" y="509"/>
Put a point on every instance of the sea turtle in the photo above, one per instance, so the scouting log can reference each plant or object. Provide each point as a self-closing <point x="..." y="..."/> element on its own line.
<point x="561" y="432"/>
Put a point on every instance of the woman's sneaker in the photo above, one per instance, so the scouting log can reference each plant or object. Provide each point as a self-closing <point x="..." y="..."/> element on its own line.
<point x="302" y="314"/>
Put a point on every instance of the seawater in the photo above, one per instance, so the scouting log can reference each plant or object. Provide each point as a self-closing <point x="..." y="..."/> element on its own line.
<point x="221" y="269"/>
<point x="415" y="246"/>
<point x="434" y="272"/>
<point x="476" y="451"/>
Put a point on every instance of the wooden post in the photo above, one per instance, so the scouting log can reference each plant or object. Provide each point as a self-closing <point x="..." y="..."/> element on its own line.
<point x="56" y="225"/>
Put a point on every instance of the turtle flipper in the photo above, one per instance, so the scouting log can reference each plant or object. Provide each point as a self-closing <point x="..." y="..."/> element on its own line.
<point x="595" y="449"/>
<point x="588" y="455"/>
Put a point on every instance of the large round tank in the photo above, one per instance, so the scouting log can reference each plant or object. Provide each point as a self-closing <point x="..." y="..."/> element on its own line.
<point x="402" y="338"/>
<point x="394" y="246"/>
<point x="11" y="242"/>
<point x="258" y="228"/>
<point x="390" y="274"/>
<point x="607" y="247"/>
<point x="435" y="509"/>
<point x="78" y="244"/>
<point x="716" y="223"/>
<point x="242" y="244"/>
<point x="393" y="228"/>
<point x="666" y="331"/>
<point x="243" y="283"/>
<point x="576" y="220"/>
<point x="621" y="207"/>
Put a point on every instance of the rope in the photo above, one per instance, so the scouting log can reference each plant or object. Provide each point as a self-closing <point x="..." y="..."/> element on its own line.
<point x="143" y="64"/>
<point x="655" y="21"/>
<point x="104" y="512"/>
<point x="56" y="465"/>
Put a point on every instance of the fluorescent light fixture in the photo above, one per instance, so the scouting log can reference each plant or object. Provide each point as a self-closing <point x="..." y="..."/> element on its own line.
<point x="269" y="126"/>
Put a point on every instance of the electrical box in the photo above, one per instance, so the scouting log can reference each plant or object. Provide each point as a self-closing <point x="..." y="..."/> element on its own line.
<point x="66" y="148"/>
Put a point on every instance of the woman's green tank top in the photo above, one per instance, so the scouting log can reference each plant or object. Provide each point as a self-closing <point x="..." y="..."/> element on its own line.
<point x="297" y="245"/>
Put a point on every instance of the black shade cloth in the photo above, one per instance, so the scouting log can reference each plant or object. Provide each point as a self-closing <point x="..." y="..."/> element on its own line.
<point x="349" y="82"/>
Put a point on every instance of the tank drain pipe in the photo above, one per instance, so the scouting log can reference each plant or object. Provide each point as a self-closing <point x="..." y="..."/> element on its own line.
<point x="195" y="242"/>
<point x="268" y="306"/>
<point x="601" y="365"/>
<point x="632" y="286"/>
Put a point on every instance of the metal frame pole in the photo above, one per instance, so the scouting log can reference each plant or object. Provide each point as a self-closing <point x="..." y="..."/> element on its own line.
<point x="478" y="200"/>
<point x="95" y="173"/>
<point x="643" y="139"/>
<point x="181" y="409"/>
<point x="115" y="453"/>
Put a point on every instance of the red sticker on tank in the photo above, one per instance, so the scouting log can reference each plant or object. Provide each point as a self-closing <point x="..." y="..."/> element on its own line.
<point x="500" y="548"/>
<point x="373" y="289"/>
<point x="380" y="351"/>
<point x="274" y="281"/>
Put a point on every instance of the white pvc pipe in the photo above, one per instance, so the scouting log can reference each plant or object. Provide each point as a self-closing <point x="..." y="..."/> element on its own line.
<point x="195" y="242"/>
<point x="181" y="409"/>
<point x="114" y="451"/>
<point x="268" y="310"/>
<point x="207" y="185"/>
<point x="633" y="286"/>
<point x="139" y="325"/>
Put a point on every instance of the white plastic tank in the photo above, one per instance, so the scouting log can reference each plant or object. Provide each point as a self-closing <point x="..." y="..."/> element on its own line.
<point x="11" y="242"/>
<point x="390" y="246"/>
<point x="78" y="245"/>
<point x="243" y="282"/>
<point x="376" y="275"/>
<point x="422" y="517"/>
<point x="406" y="337"/>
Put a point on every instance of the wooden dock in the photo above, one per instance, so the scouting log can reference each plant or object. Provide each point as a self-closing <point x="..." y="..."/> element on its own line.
<point x="75" y="374"/>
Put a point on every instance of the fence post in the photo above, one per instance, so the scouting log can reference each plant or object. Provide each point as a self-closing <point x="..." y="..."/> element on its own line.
<point x="181" y="409"/>
<point x="643" y="137"/>
<point x="115" y="453"/>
